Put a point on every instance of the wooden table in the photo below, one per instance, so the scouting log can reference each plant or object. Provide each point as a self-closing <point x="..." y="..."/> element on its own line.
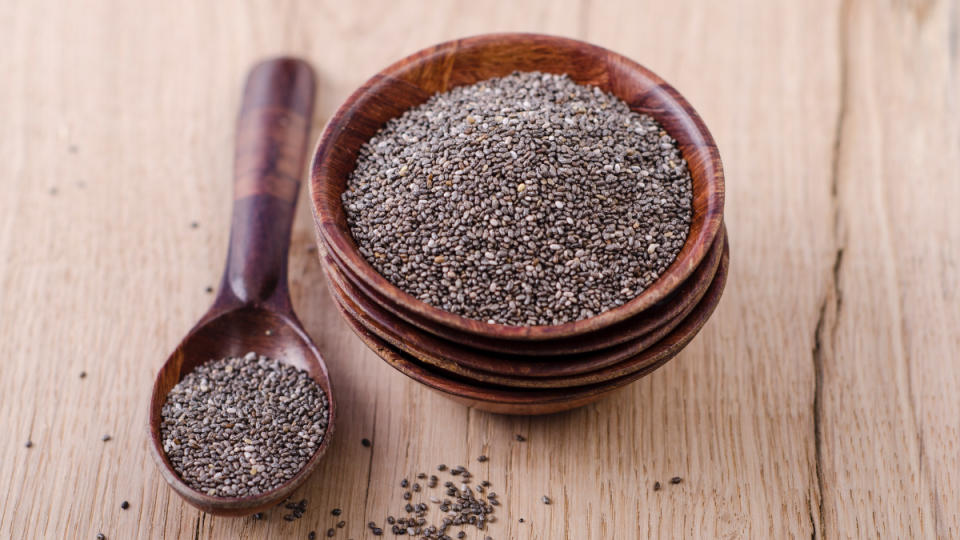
<point x="822" y="399"/>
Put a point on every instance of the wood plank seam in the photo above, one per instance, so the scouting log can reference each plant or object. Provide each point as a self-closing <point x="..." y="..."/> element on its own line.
<point x="833" y="297"/>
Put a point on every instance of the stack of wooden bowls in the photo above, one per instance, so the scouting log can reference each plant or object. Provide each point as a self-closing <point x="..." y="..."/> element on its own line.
<point x="513" y="369"/>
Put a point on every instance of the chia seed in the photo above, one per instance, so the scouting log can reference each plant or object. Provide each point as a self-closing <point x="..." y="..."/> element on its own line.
<point x="243" y="426"/>
<point x="524" y="200"/>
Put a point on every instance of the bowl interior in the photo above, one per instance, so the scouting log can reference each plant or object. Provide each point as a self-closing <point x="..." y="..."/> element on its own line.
<point x="414" y="79"/>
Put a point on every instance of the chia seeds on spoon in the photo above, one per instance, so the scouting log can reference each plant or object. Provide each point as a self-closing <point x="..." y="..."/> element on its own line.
<point x="523" y="200"/>
<point x="243" y="426"/>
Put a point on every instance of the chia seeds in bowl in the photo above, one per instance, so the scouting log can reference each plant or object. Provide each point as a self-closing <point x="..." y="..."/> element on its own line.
<point x="524" y="200"/>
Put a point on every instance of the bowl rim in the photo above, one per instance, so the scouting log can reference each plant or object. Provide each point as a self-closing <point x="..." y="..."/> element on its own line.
<point x="689" y="123"/>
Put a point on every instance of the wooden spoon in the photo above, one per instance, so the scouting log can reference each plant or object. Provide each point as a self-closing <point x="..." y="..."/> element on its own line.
<point x="252" y="311"/>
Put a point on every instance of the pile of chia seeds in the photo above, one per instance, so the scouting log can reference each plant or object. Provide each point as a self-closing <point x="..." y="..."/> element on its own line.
<point x="242" y="426"/>
<point x="523" y="200"/>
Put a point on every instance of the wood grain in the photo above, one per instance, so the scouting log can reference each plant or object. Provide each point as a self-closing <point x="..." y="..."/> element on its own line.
<point x="821" y="400"/>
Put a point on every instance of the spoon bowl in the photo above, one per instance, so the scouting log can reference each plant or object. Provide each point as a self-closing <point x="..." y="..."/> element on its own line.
<point x="252" y="311"/>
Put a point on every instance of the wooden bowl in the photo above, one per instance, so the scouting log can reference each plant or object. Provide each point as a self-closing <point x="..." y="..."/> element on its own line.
<point x="414" y="79"/>
<point x="485" y="366"/>
<point x="594" y="372"/>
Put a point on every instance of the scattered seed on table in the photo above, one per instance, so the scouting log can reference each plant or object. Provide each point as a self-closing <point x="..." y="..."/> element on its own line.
<point x="28" y="444"/>
<point x="378" y="532"/>
<point x="100" y="536"/>
<point x="676" y="480"/>
<point x="441" y="467"/>
<point x="365" y="442"/>
<point x="106" y="438"/>
<point x="521" y="520"/>
<point x="523" y="200"/>
<point x="656" y="486"/>
<point x="391" y="520"/>
<point x="461" y="534"/>
<point x="421" y="475"/>
<point x="520" y="438"/>
<point x="416" y="487"/>
<point x="331" y="532"/>
<point x="406" y="495"/>
<point x="194" y="224"/>
<point x="341" y="524"/>
<point x="336" y="511"/>
<point x="545" y="499"/>
<point x="83" y="374"/>
<point x="256" y="420"/>
<point x="258" y="516"/>
<point x="289" y="517"/>
<point x="209" y="289"/>
<point x="481" y="459"/>
<point x="124" y="505"/>
<point x="404" y="483"/>
<point x="312" y="535"/>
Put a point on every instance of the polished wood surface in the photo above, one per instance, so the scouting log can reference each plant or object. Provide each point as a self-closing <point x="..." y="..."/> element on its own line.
<point x="412" y="80"/>
<point x="252" y="311"/>
<point x="819" y="401"/>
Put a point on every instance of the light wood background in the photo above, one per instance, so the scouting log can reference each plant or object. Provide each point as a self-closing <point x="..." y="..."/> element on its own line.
<point x="821" y="401"/>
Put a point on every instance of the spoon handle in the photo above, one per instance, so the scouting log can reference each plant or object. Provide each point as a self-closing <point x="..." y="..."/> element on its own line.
<point x="271" y="146"/>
